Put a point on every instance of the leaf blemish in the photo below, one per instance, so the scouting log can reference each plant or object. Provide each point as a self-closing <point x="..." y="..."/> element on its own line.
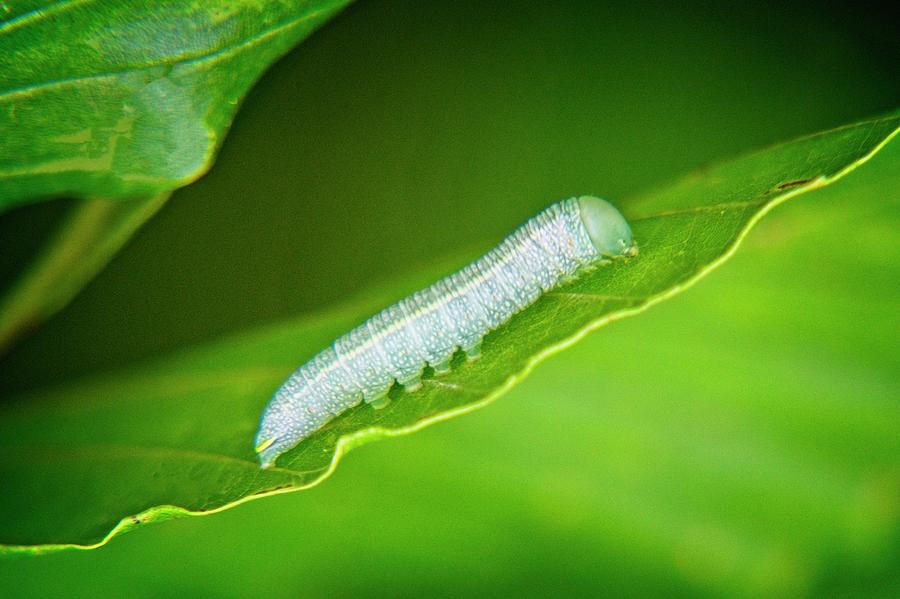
<point x="790" y="184"/>
<point x="273" y="489"/>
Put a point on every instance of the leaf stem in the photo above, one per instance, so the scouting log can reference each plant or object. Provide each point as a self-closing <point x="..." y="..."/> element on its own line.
<point x="93" y="231"/>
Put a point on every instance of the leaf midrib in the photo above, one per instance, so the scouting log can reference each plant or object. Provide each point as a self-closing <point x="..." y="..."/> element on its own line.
<point x="117" y="451"/>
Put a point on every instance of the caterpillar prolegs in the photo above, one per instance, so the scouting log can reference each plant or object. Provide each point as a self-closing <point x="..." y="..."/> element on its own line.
<point x="429" y="326"/>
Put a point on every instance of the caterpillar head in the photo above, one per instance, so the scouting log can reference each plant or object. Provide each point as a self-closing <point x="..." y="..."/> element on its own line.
<point x="607" y="228"/>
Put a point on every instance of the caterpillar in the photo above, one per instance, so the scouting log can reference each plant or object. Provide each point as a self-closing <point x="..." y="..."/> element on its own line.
<point x="428" y="327"/>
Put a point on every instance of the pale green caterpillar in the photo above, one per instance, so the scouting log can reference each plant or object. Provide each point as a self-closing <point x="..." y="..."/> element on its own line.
<point x="429" y="326"/>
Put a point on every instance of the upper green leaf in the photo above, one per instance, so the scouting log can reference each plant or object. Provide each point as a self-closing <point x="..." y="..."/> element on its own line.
<point x="83" y="462"/>
<point x="111" y="99"/>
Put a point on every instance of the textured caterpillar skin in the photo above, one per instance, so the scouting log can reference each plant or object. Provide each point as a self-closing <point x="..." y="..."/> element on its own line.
<point x="427" y="327"/>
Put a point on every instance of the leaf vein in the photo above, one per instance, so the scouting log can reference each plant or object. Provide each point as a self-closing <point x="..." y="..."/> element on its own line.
<point x="197" y="60"/>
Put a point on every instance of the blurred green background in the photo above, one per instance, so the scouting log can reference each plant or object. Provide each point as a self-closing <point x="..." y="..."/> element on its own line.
<point x="738" y="439"/>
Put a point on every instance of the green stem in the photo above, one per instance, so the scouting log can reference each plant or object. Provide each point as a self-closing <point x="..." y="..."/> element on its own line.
<point x="94" y="230"/>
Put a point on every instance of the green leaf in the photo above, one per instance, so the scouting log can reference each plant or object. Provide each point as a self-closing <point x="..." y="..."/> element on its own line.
<point x="130" y="98"/>
<point x="92" y="233"/>
<point x="738" y="441"/>
<point x="89" y="460"/>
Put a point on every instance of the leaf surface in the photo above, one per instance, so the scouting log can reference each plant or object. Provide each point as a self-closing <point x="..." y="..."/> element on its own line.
<point x="131" y="98"/>
<point x="85" y="461"/>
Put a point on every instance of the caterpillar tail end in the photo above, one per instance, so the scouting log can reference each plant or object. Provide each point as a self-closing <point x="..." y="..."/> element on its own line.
<point x="266" y="458"/>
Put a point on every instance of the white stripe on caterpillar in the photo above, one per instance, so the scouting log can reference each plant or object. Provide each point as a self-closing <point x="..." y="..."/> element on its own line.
<point x="428" y="327"/>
